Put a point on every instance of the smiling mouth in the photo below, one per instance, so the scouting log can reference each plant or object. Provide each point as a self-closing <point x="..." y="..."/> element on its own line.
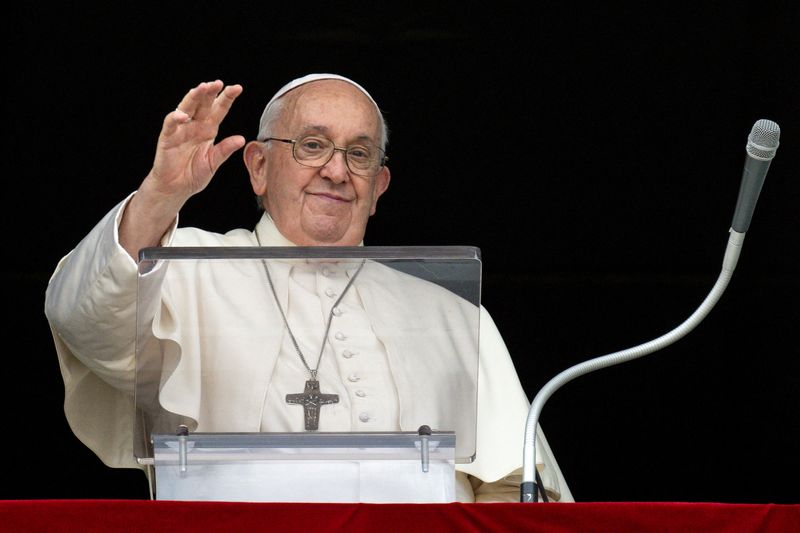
<point x="329" y="196"/>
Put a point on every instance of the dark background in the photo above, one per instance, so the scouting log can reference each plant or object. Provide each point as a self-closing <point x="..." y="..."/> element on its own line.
<point x="592" y="153"/>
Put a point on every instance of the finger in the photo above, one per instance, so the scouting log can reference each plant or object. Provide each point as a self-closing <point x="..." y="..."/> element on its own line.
<point x="207" y="93"/>
<point x="189" y="102"/>
<point x="199" y="97"/>
<point x="224" y="101"/>
<point x="173" y="120"/>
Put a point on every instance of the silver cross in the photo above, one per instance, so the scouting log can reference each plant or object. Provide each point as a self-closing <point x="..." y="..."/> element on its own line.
<point x="311" y="399"/>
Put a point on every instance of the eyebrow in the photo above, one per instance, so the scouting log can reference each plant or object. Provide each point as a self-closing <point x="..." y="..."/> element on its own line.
<point x="326" y="130"/>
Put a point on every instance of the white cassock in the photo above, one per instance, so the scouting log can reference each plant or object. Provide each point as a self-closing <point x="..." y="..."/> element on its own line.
<point x="379" y="359"/>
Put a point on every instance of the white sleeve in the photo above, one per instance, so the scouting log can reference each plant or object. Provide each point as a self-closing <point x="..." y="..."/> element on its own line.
<point x="90" y="305"/>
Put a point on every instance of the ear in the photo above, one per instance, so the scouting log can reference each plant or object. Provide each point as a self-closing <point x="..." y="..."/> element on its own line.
<point x="381" y="184"/>
<point x="256" y="162"/>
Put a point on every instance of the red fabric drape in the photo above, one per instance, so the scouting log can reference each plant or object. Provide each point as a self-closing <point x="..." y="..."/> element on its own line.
<point x="139" y="515"/>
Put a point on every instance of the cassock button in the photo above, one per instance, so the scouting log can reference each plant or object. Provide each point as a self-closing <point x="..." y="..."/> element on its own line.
<point x="364" y="417"/>
<point x="353" y="378"/>
<point x="347" y="354"/>
<point x="326" y="271"/>
<point x="340" y="336"/>
<point x="360" y="393"/>
<point x="337" y="311"/>
<point x="330" y="293"/>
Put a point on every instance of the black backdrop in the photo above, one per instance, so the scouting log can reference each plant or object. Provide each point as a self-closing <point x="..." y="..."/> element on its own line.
<point x="593" y="153"/>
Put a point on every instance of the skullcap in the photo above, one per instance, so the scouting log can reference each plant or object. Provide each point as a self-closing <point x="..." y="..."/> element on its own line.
<point x="308" y="78"/>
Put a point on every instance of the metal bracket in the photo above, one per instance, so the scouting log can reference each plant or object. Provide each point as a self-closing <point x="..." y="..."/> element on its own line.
<point x="424" y="449"/>
<point x="182" y="433"/>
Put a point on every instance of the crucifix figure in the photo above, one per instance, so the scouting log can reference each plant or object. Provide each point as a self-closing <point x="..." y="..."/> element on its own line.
<point x="311" y="399"/>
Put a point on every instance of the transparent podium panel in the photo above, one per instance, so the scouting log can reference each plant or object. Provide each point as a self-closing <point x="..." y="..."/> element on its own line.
<point x="322" y="467"/>
<point x="306" y="341"/>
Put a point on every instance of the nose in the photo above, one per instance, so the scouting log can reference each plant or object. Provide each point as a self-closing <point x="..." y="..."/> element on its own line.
<point x="336" y="168"/>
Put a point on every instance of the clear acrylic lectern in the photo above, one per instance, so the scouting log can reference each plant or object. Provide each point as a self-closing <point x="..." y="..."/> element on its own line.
<point x="229" y="340"/>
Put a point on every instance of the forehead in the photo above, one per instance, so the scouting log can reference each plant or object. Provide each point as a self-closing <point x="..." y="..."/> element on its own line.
<point x="333" y="107"/>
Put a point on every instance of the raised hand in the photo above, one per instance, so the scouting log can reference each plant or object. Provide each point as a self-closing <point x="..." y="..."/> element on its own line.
<point x="187" y="157"/>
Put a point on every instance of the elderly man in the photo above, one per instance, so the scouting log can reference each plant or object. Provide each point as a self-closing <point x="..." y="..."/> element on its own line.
<point x="318" y="169"/>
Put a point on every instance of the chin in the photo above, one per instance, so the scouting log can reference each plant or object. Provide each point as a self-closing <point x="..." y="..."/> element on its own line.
<point x="326" y="234"/>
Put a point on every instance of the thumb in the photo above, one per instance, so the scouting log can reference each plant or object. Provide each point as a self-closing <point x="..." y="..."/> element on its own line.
<point x="224" y="149"/>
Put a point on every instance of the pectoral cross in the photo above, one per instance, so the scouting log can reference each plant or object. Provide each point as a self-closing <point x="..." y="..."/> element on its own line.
<point x="311" y="399"/>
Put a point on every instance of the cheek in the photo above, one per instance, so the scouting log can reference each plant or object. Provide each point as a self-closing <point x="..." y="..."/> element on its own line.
<point x="282" y="187"/>
<point x="365" y="191"/>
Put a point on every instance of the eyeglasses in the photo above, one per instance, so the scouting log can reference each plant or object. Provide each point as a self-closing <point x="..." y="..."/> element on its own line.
<point x="315" y="151"/>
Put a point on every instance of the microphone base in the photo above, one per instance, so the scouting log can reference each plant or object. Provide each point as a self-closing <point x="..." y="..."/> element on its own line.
<point x="527" y="492"/>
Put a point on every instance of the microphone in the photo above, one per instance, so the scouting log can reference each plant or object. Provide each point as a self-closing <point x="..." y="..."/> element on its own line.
<point x="762" y="143"/>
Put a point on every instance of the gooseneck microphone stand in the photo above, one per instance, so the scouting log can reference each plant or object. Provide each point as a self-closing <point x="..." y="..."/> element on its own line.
<point x="761" y="147"/>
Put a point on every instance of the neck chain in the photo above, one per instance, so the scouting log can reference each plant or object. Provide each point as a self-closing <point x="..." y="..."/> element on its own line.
<point x="311" y="398"/>
<point x="313" y="371"/>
